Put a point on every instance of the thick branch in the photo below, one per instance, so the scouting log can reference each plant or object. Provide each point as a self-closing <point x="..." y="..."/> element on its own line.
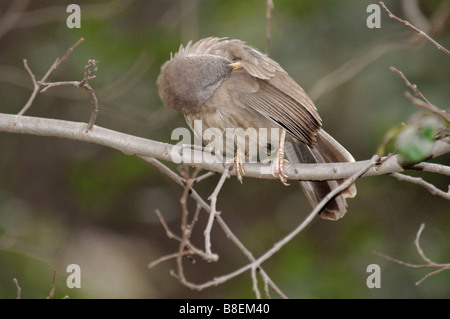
<point x="133" y="145"/>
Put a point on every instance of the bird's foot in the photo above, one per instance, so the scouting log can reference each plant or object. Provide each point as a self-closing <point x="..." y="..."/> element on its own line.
<point x="278" y="169"/>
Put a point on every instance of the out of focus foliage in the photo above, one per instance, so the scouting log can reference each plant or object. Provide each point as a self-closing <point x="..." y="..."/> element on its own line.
<point x="65" y="202"/>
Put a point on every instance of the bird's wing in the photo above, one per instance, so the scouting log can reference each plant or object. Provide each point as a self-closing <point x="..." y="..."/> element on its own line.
<point x="277" y="96"/>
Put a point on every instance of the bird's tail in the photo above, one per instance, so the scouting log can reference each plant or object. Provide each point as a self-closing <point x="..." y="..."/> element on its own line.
<point x="325" y="150"/>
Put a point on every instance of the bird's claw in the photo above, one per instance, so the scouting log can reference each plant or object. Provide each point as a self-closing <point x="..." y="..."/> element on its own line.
<point x="278" y="169"/>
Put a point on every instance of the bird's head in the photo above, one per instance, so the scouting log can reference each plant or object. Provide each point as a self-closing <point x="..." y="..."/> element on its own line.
<point x="187" y="81"/>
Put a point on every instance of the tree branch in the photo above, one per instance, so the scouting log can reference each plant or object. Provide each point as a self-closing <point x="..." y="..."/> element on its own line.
<point x="133" y="145"/>
<point x="228" y="232"/>
<point x="426" y="104"/>
<point x="277" y="246"/>
<point x="420" y="32"/>
<point x="19" y="290"/>
<point x="37" y="84"/>
<point x="214" y="213"/>
<point x="428" y="262"/>
<point x="419" y="181"/>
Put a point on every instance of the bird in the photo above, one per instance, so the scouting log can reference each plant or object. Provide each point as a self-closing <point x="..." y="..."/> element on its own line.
<point x="227" y="83"/>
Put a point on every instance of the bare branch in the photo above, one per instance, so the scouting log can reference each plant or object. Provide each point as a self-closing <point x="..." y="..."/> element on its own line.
<point x="150" y="150"/>
<point x="191" y="249"/>
<point x="419" y="181"/>
<point x="52" y="291"/>
<point x="419" y="249"/>
<point x="255" y="283"/>
<point x="167" y="257"/>
<point x="169" y="233"/>
<point x="432" y="168"/>
<point x="266" y="289"/>
<point x="90" y="68"/>
<point x="228" y="232"/>
<point x="355" y="65"/>
<point x="428" y="262"/>
<point x="422" y="104"/>
<point x="413" y="13"/>
<point x="420" y="32"/>
<point x="432" y="274"/>
<point x="133" y="145"/>
<point x="427" y="105"/>
<point x="19" y="290"/>
<point x="36" y="84"/>
<point x="36" y="88"/>
<point x="277" y="246"/>
<point x="204" y="176"/>
<point x="214" y="213"/>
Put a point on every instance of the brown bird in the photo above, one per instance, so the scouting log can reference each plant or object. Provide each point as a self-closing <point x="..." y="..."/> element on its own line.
<point x="228" y="84"/>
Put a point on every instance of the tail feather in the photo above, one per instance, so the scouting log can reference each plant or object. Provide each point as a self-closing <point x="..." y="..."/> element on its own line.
<point x="325" y="150"/>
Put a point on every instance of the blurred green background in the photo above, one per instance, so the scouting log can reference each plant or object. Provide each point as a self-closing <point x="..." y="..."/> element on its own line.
<point x="64" y="202"/>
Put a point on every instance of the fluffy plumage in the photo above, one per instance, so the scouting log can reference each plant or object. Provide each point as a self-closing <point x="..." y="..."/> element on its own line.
<point x="200" y="82"/>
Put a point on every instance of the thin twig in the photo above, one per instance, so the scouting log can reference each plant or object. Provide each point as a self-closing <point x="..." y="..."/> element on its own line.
<point x="19" y="290"/>
<point x="52" y="291"/>
<point x="412" y="12"/>
<point x="428" y="106"/>
<point x="400" y="262"/>
<point x="431" y="168"/>
<point x="90" y="68"/>
<point x="213" y="213"/>
<point x="266" y="289"/>
<point x="185" y="247"/>
<point x="195" y="218"/>
<point x="204" y="176"/>
<point x="167" y="257"/>
<point x="169" y="233"/>
<point x="185" y="231"/>
<point x="35" y="88"/>
<point x="416" y="91"/>
<point x="432" y="274"/>
<point x="228" y="232"/>
<point x="58" y="61"/>
<point x="277" y="246"/>
<point x="419" y="249"/>
<point x="255" y="283"/>
<point x="420" y="32"/>
<point x="53" y="67"/>
<point x="231" y="236"/>
<point x="428" y="262"/>
<point x="419" y="181"/>
<point x="185" y="242"/>
<point x="185" y="227"/>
